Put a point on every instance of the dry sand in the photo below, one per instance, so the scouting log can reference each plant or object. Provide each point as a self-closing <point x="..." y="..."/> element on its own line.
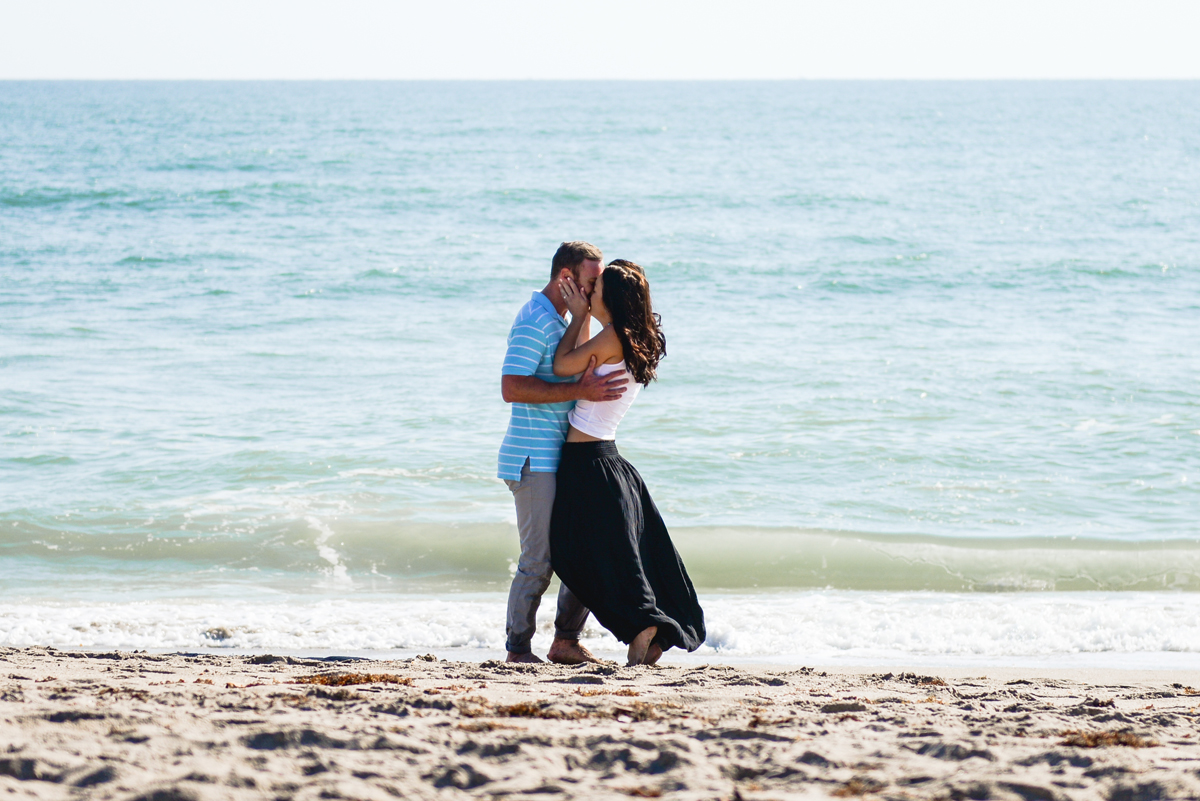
<point x="151" y="726"/>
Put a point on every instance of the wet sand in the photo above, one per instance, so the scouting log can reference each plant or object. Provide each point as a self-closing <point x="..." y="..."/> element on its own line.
<point x="161" y="727"/>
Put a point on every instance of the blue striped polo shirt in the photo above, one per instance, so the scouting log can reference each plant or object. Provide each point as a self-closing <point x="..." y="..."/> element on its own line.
<point x="536" y="431"/>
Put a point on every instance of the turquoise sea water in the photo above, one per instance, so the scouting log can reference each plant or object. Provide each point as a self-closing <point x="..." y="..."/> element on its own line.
<point x="927" y="342"/>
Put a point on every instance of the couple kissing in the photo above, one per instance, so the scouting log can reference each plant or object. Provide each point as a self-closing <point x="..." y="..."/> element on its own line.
<point x="583" y="511"/>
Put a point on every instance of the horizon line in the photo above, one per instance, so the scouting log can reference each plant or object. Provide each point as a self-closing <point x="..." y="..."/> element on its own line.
<point x="913" y="79"/>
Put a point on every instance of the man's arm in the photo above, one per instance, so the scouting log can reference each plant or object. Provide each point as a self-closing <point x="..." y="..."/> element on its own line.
<point x="530" y="389"/>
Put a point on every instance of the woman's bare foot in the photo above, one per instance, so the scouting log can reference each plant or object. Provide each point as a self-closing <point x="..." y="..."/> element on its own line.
<point x="640" y="645"/>
<point x="522" y="657"/>
<point x="653" y="654"/>
<point x="570" y="652"/>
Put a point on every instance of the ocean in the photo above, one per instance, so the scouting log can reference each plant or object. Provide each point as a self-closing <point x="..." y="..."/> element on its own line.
<point x="932" y="391"/>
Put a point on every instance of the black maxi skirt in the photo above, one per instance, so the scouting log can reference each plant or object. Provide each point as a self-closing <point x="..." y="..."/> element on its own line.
<point x="609" y="545"/>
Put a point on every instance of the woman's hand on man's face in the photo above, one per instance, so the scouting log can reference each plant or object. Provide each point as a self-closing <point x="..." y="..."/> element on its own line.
<point x="576" y="301"/>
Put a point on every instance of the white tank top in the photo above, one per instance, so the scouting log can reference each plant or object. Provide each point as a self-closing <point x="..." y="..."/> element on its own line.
<point x="600" y="420"/>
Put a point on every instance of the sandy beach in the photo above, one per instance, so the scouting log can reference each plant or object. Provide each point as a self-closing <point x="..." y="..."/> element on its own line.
<point x="168" y="726"/>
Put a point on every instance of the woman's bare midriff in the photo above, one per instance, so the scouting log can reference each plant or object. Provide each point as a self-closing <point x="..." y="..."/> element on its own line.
<point x="575" y="435"/>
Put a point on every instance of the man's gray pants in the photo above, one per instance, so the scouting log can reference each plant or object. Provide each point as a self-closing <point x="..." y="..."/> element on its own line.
<point x="534" y="496"/>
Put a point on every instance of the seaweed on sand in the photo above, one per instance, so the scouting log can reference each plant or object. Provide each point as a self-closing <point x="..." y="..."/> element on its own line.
<point x="1099" y="739"/>
<point x="347" y="679"/>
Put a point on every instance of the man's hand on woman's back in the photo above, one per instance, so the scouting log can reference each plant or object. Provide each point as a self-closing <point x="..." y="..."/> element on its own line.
<point x="599" y="388"/>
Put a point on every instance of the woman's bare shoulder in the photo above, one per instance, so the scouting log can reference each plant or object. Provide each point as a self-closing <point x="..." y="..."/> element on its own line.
<point x="608" y="346"/>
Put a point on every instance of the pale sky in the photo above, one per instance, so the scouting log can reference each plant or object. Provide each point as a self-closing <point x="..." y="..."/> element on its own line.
<point x="614" y="39"/>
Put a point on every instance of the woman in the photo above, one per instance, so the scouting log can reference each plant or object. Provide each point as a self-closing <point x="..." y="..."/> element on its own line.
<point x="608" y="543"/>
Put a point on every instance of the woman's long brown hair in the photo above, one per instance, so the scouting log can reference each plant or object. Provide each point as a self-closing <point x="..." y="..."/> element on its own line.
<point x="639" y="329"/>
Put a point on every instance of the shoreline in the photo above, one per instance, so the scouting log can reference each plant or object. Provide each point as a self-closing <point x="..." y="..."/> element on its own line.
<point x="168" y="726"/>
<point x="1181" y="666"/>
<point x="959" y="668"/>
<point x="1051" y="630"/>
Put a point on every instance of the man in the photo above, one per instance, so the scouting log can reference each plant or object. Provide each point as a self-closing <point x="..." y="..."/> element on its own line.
<point x="530" y="452"/>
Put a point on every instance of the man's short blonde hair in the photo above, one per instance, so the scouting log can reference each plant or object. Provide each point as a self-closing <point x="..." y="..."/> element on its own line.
<point x="573" y="254"/>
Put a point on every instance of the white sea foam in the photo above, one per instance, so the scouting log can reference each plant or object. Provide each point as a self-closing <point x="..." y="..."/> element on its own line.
<point x="815" y="627"/>
<point x="325" y="550"/>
